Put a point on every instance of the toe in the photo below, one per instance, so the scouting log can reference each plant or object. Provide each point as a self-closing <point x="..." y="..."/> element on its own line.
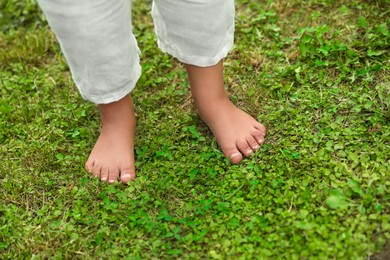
<point x="96" y="170"/>
<point x="253" y="143"/>
<point x="104" y="174"/>
<point x="244" y="147"/>
<point x="261" y="128"/>
<point x="235" y="157"/>
<point x="127" y="174"/>
<point x="258" y="136"/>
<point x="89" y="166"/>
<point x="113" y="175"/>
<point x="261" y="140"/>
<point x="232" y="153"/>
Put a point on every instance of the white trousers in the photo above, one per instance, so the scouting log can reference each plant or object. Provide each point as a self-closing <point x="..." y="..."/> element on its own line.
<point x="97" y="40"/>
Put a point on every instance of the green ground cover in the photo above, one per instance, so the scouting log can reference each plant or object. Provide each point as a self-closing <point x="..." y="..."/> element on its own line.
<point x="315" y="73"/>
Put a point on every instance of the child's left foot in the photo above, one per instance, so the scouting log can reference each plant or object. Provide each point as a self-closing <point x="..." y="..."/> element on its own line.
<point x="237" y="133"/>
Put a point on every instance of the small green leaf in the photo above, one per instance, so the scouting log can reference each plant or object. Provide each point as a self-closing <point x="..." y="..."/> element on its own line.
<point x="362" y="22"/>
<point x="336" y="202"/>
<point x="354" y="185"/>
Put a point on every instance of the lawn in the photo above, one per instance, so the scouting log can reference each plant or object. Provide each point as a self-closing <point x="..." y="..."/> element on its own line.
<point x="315" y="73"/>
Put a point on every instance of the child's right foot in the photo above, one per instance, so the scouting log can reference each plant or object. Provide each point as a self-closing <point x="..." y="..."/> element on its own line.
<point x="112" y="157"/>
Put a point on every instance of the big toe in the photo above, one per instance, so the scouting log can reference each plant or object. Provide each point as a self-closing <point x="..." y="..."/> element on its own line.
<point x="127" y="174"/>
<point x="232" y="153"/>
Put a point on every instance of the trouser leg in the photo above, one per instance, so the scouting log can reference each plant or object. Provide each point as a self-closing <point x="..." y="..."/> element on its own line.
<point x="97" y="41"/>
<point x="196" y="32"/>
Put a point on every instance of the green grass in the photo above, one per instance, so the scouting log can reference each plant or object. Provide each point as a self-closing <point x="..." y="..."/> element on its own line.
<point x="315" y="73"/>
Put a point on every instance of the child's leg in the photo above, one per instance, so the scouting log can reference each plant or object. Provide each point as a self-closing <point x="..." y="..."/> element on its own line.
<point x="96" y="38"/>
<point x="200" y="33"/>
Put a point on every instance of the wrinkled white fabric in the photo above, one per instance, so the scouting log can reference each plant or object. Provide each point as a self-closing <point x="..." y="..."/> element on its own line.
<point x="97" y="41"/>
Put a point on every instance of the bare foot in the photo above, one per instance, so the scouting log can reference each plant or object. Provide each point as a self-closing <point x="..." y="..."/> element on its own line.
<point x="237" y="133"/>
<point x="112" y="157"/>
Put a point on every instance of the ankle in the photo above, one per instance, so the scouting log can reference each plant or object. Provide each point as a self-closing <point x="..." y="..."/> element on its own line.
<point x="212" y="103"/>
<point x="118" y="114"/>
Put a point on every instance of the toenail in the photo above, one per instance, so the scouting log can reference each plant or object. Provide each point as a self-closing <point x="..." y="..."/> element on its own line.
<point x="234" y="155"/>
<point x="249" y="152"/>
<point x="111" y="181"/>
<point x="256" y="147"/>
<point x="104" y="178"/>
<point x="126" y="176"/>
